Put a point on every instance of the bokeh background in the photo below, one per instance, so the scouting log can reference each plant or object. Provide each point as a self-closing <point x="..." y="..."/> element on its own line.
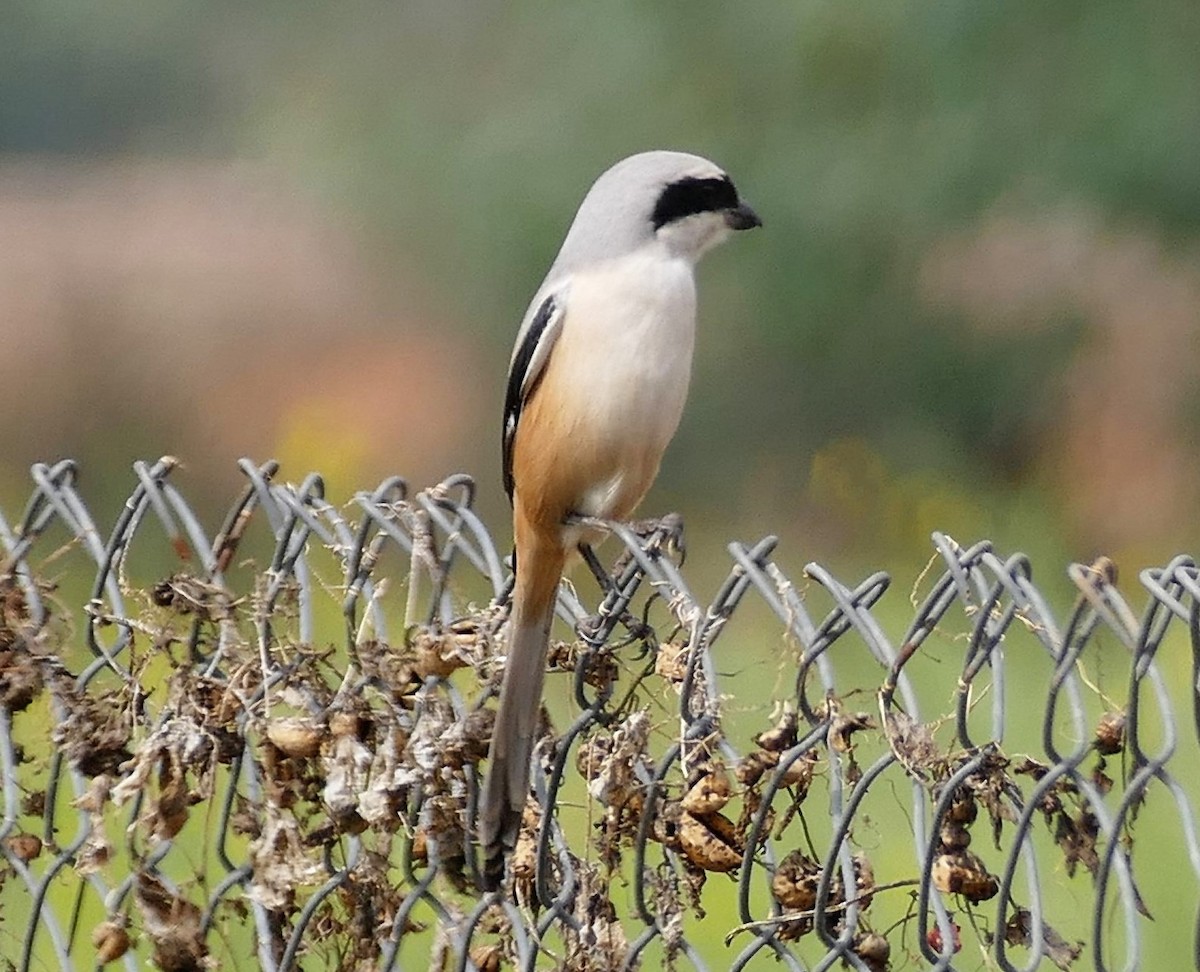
<point x="309" y="231"/>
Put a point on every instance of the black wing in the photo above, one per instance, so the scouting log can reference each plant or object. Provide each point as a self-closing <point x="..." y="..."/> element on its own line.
<point x="527" y="366"/>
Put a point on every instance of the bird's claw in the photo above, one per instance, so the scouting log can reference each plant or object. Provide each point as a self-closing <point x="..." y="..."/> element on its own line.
<point x="591" y="629"/>
<point x="662" y="534"/>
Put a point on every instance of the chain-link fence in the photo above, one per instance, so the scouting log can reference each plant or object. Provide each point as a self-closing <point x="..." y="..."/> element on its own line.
<point x="263" y="750"/>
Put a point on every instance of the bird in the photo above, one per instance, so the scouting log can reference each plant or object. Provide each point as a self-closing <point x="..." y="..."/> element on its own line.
<point x="596" y="387"/>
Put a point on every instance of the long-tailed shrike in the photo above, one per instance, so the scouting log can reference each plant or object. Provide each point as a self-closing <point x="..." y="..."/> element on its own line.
<point x="596" y="387"/>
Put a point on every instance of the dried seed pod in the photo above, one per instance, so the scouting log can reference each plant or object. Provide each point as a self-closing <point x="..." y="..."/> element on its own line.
<point x="402" y="680"/>
<point x="789" y="931"/>
<point x="964" y="873"/>
<point x="800" y="773"/>
<point x="780" y="737"/>
<point x="437" y="655"/>
<point x="795" y="881"/>
<point x="963" y="809"/>
<point x="174" y="798"/>
<point x="486" y="957"/>
<point x="602" y="669"/>
<point x="843" y="728"/>
<point x="753" y="765"/>
<point x="671" y="661"/>
<point x="350" y="821"/>
<point x="946" y="872"/>
<point x="294" y="737"/>
<point x="710" y="842"/>
<point x="874" y="950"/>
<point x="24" y="847"/>
<point x="1110" y="734"/>
<point x="34" y="803"/>
<point x="523" y="864"/>
<point x="468" y="635"/>
<point x="979" y="885"/>
<point x="590" y="757"/>
<point x="477" y="734"/>
<point x="560" y="656"/>
<point x="632" y="805"/>
<point x="864" y="879"/>
<point x="20" y="680"/>
<point x="710" y="792"/>
<point x="420" y="846"/>
<point x="954" y="836"/>
<point x="343" y="723"/>
<point x="111" y="941"/>
<point x="667" y="824"/>
<point x="229" y="744"/>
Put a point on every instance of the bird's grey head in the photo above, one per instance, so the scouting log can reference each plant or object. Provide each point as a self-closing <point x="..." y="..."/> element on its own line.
<point x="685" y="202"/>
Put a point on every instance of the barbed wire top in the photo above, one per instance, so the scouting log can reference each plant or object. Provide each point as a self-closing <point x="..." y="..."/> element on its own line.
<point x="262" y="749"/>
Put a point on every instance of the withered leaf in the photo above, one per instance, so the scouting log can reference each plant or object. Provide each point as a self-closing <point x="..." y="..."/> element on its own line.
<point x="1077" y="838"/>
<point x="1019" y="931"/>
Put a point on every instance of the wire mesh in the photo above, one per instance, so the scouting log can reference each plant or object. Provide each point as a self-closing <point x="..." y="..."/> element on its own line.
<point x="263" y="749"/>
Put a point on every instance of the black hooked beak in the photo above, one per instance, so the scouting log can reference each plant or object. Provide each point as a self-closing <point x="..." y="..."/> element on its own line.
<point x="742" y="217"/>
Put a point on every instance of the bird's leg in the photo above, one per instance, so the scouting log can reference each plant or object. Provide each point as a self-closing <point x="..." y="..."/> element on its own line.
<point x="592" y="627"/>
<point x="603" y="578"/>
<point x="656" y="535"/>
<point x="588" y="522"/>
<point x="597" y="568"/>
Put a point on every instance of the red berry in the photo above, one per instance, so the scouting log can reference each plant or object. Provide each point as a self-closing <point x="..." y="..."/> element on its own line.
<point x="934" y="938"/>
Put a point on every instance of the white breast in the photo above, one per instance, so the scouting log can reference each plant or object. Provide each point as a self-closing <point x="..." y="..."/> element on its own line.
<point x="632" y="325"/>
<point x="628" y="337"/>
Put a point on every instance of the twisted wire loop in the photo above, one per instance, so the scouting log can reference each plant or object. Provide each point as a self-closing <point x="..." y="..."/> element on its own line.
<point x="265" y="750"/>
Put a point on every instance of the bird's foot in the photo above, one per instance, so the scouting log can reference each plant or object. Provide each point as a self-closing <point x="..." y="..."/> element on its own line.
<point x="658" y="535"/>
<point x="663" y="534"/>
<point x="593" y="629"/>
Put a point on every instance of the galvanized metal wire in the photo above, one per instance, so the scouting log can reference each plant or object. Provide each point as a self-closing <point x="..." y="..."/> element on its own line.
<point x="237" y="750"/>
